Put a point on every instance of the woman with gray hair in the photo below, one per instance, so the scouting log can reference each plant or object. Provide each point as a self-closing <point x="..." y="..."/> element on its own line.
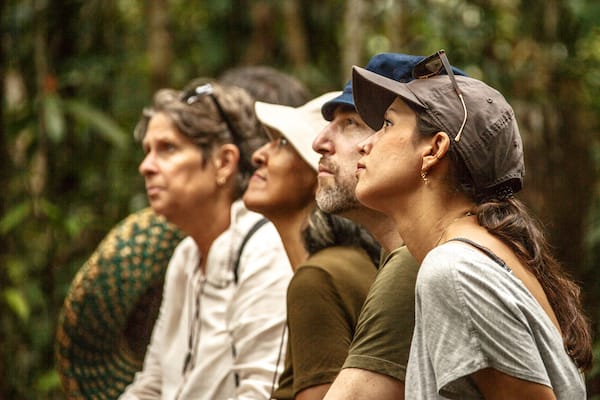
<point x="223" y="306"/>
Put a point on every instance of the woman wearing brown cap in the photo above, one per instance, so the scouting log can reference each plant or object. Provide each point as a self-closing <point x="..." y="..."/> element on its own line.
<point x="225" y="285"/>
<point x="496" y="317"/>
<point x="332" y="258"/>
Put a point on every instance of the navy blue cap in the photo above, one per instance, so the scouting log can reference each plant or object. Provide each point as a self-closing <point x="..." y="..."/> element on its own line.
<point x="396" y="66"/>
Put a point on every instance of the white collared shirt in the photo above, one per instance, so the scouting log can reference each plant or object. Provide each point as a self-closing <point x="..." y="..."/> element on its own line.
<point x="249" y="315"/>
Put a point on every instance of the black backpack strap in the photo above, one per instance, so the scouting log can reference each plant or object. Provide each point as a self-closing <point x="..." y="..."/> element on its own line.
<point x="236" y="266"/>
<point x="251" y="231"/>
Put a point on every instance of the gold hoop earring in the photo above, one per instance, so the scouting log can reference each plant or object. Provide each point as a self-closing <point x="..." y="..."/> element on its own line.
<point x="424" y="176"/>
<point x="221" y="181"/>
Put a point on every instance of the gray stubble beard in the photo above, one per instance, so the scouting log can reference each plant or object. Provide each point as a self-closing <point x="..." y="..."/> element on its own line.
<point x="337" y="198"/>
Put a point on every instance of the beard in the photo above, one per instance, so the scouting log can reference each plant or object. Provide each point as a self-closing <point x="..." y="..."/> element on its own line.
<point x="337" y="198"/>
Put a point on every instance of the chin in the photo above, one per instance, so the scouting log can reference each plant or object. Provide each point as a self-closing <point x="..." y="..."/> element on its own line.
<point x="366" y="196"/>
<point x="253" y="203"/>
<point x="156" y="207"/>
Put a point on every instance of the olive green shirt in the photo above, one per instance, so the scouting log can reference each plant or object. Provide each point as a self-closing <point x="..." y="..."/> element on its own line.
<point x="385" y="326"/>
<point x="324" y="300"/>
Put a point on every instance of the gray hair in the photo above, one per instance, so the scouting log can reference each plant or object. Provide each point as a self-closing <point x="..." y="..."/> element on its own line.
<point x="202" y="122"/>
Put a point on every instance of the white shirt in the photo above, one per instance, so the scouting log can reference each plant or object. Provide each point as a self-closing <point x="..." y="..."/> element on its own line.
<point x="249" y="316"/>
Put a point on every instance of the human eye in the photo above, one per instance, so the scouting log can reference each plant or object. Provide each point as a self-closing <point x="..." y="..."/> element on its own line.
<point x="282" y="142"/>
<point x="167" y="147"/>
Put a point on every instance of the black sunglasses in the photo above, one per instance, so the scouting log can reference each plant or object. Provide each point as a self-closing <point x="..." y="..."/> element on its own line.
<point x="434" y="65"/>
<point x="193" y="95"/>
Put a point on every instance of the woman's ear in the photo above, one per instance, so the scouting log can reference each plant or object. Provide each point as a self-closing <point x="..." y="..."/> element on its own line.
<point x="437" y="147"/>
<point x="225" y="160"/>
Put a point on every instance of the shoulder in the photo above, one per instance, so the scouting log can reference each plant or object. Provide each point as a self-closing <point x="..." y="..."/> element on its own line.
<point x="338" y="269"/>
<point x="458" y="272"/>
<point x="342" y="258"/>
<point x="400" y="256"/>
<point x="244" y="222"/>
<point x="398" y="270"/>
<point x="456" y="260"/>
<point x="185" y="253"/>
<point x="262" y="251"/>
<point x="339" y="264"/>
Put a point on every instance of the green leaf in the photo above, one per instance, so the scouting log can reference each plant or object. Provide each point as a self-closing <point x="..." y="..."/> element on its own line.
<point x="52" y="211"/>
<point x="16" y="269"/>
<point x="48" y="382"/>
<point x="17" y="303"/>
<point x="106" y="126"/>
<point x="14" y="217"/>
<point x="54" y="118"/>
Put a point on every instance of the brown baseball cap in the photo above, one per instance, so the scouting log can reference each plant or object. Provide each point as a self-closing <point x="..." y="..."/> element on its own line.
<point x="490" y="143"/>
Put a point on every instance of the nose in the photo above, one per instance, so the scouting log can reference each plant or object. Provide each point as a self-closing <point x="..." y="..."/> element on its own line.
<point x="148" y="165"/>
<point x="259" y="157"/>
<point x="322" y="143"/>
<point x="365" y="146"/>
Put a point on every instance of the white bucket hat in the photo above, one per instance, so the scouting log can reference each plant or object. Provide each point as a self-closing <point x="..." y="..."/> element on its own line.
<point x="298" y="125"/>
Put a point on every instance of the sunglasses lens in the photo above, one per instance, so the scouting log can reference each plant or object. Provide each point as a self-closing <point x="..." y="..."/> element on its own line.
<point x="428" y="67"/>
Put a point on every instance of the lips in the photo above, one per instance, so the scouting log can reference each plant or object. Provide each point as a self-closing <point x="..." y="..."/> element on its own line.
<point x="153" y="190"/>
<point x="257" y="181"/>
<point x="326" y="168"/>
<point x="258" y="177"/>
<point x="359" y="168"/>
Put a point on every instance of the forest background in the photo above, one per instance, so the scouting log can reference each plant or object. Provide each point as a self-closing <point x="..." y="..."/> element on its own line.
<point x="75" y="75"/>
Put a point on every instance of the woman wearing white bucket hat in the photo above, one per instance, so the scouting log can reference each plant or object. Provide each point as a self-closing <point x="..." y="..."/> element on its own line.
<point x="331" y="256"/>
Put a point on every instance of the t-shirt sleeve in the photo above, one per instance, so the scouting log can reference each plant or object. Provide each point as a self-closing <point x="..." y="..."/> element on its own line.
<point x="471" y="321"/>
<point x="384" y="330"/>
<point x="316" y="314"/>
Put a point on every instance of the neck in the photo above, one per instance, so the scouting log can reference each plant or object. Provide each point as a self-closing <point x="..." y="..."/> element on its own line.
<point x="204" y="234"/>
<point x="382" y="227"/>
<point x="423" y="219"/>
<point x="290" y="227"/>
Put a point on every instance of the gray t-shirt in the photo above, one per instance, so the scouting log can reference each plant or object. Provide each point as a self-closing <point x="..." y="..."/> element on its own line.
<point x="471" y="314"/>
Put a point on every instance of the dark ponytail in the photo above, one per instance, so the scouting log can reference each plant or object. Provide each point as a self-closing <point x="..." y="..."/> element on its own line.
<point x="509" y="220"/>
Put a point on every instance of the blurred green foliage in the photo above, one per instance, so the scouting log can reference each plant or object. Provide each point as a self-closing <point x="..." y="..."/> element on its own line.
<point x="76" y="75"/>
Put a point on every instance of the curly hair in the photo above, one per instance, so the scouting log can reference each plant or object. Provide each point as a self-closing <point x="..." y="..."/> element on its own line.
<point x="326" y="230"/>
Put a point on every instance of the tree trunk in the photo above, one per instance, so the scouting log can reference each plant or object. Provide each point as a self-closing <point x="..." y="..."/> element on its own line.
<point x="353" y="43"/>
<point x="160" y="53"/>
<point x="295" y="34"/>
<point x="262" y="43"/>
<point x="561" y="174"/>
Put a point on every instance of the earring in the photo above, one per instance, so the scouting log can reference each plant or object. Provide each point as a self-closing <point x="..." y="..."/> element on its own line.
<point x="221" y="181"/>
<point x="424" y="176"/>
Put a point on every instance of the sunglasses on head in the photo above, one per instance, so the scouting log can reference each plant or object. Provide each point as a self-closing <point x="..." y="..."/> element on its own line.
<point x="434" y="65"/>
<point x="193" y="95"/>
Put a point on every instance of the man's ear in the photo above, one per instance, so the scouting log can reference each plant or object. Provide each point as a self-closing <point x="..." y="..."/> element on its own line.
<point x="436" y="149"/>
<point x="225" y="159"/>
